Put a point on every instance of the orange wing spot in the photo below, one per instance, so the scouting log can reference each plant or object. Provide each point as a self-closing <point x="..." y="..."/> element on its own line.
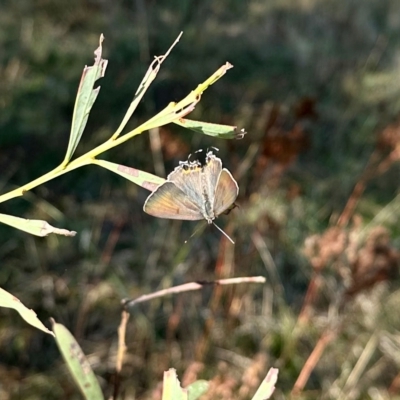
<point x="191" y="170"/>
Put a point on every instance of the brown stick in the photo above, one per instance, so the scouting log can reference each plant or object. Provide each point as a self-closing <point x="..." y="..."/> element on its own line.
<point x="187" y="287"/>
<point x="120" y="353"/>
<point x="359" y="188"/>
<point x="311" y="295"/>
<point x="312" y="361"/>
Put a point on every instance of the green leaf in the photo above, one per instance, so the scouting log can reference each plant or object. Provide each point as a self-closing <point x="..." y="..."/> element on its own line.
<point x="77" y="363"/>
<point x="34" y="226"/>
<point x="7" y="300"/>
<point x="197" y="389"/>
<point x="267" y="387"/>
<point x="216" y="130"/>
<point x="141" y="178"/>
<point x="85" y="99"/>
<point x="175" y="111"/>
<point x="171" y="387"/>
<point x="149" y="77"/>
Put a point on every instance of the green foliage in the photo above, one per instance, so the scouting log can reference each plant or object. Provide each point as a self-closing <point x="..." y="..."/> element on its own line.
<point x="339" y="59"/>
<point x="75" y="359"/>
<point x="77" y="363"/>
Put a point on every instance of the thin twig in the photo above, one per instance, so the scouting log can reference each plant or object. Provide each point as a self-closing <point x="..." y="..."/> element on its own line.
<point x="121" y="352"/>
<point x="368" y="173"/>
<point x="361" y="364"/>
<point x="121" y="340"/>
<point x="312" y="360"/>
<point x="310" y="297"/>
<point x="112" y="241"/>
<point x="222" y="269"/>
<point x="269" y="262"/>
<point x="187" y="287"/>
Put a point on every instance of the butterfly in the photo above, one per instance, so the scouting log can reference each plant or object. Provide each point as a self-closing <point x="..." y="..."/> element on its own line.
<point x="194" y="191"/>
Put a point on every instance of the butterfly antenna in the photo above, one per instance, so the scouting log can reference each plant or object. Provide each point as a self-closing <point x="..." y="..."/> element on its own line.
<point x="201" y="227"/>
<point x="222" y="231"/>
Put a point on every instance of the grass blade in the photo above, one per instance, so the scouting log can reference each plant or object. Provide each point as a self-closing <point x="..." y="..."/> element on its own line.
<point x="77" y="363"/>
<point x="141" y="178"/>
<point x="85" y="99"/>
<point x="7" y="300"/>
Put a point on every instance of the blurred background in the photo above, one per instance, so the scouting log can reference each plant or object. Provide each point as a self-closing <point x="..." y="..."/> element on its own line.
<point x="316" y="85"/>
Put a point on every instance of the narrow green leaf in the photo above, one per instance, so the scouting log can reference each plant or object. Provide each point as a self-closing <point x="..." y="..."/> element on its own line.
<point x="267" y="386"/>
<point x="171" y="387"/>
<point x="197" y="389"/>
<point x="85" y="99"/>
<point x="175" y="111"/>
<point x="141" y="178"/>
<point x="216" y="130"/>
<point x="169" y="114"/>
<point x="144" y="85"/>
<point x="77" y="363"/>
<point x="7" y="300"/>
<point x="34" y="226"/>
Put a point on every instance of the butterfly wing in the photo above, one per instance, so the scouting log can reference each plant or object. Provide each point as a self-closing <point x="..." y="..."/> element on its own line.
<point x="189" y="181"/>
<point x="168" y="201"/>
<point x="226" y="192"/>
<point x="193" y="192"/>
<point x="212" y="171"/>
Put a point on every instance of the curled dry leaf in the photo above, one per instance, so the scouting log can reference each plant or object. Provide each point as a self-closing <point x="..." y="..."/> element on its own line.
<point x="46" y="229"/>
<point x="34" y="226"/>
<point x="7" y="300"/>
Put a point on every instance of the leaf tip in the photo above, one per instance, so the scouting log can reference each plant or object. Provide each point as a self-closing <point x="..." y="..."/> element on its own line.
<point x="239" y="133"/>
